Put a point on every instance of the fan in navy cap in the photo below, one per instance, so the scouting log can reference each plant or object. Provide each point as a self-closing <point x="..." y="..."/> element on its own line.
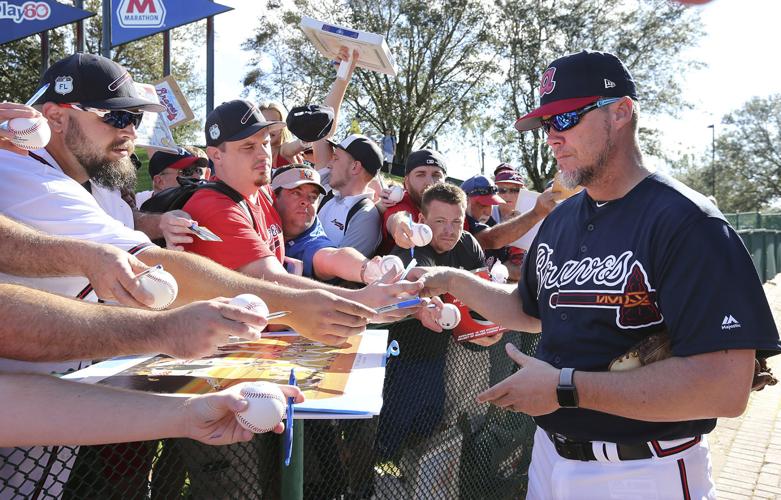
<point x="236" y="120"/>
<point x="634" y="257"/>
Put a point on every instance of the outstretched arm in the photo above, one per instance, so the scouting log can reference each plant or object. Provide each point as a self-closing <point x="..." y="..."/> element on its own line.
<point x="114" y="415"/>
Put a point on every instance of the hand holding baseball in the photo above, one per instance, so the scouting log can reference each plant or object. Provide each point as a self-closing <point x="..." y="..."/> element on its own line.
<point x="112" y="273"/>
<point x="12" y="112"/>
<point x="211" y="418"/>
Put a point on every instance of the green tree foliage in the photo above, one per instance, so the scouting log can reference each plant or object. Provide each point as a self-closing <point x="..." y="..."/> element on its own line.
<point x="20" y="62"/>
<point x="439" y="48"/>
<point x="647" y="35"/>
<point x="471" y="67"/>
<point x="747" y="160"/>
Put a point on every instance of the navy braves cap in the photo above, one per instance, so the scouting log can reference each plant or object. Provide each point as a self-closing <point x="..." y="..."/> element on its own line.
<point x="310" y="123"/>
<point x="363" y="150"/>
<point x="93" y="81"/>
<point x="576" y="80"/>
<point x="424" y="158"/>
<point x="236" y="120"/>
<point x="162" y="160"/>
<point x="480" y="188"/>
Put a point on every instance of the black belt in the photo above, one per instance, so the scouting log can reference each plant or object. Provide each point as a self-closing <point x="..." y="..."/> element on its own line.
<point x="582" y="450"/>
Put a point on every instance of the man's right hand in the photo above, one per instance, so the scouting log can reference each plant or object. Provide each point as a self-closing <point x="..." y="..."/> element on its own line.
<point x="327" y="318"/>
<point x="9" y="111"/>
<point x="195" y="330"/>
<point x="436" y="280"/>
<point x="175" y="226"/>
<point x="402" y="232"/>
<point x="111" y="272"/>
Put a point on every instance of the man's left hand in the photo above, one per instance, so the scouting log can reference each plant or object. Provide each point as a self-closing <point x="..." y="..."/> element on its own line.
<point x="530" y="390"/>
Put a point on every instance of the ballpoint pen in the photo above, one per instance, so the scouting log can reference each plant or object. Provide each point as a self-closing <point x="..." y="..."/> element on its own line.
<point x="399" y="305"/>
<point x="289" y="427"/>
<point x="147" y="271"/>
<point x="29" y="102"/>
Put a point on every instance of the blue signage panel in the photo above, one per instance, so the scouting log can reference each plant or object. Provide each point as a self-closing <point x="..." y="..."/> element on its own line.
<point x="22" y="18"/>
<point x="134" y="19"/>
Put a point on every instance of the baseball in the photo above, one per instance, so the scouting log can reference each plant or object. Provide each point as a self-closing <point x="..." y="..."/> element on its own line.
<point x="30" y="133"/>
<point x="421" y="235"/>
<point x="499" y="273"/>
<point x="162" y="285"/>
<point x="250" y="302"/>
<point x="450" y="317"/>
<point x="267" y="406"/>
<point x="396" y="194"/>
<point x="391" y="263"/>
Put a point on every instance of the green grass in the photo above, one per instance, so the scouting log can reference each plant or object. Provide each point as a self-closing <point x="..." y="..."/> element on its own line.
<point x="144" y="182"/>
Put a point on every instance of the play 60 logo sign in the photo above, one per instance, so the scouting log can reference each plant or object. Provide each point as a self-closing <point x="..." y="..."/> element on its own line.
<point x="28" y="11"/>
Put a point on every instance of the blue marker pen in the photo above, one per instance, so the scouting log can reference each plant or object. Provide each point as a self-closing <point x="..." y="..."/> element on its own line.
<point x="400" y="305"/>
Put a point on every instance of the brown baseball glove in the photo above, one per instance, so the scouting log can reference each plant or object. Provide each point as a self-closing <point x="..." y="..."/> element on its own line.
<point x="656" y="347"/>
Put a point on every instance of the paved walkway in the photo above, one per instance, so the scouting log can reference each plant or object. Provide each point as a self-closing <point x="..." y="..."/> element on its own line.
<point x="746" y="451"/>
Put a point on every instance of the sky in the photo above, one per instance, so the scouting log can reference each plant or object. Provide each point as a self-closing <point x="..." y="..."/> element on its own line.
<point x="739" y="49"/>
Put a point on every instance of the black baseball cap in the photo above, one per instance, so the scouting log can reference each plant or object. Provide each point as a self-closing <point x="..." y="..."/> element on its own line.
<point x="162" y="160"/>
<point x="424" y="158"/>
<point x="363" y="150"/>
<point x="93" y="81"/>
<point x="234" y="121"/>
<point x="310" y="123"/>
<point x="577" y="80"/>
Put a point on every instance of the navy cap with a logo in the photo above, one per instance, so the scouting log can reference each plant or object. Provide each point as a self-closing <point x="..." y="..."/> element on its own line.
<point x="162" y="160"/>
<point x="424" y="158"/>
<point x="93" y="81"/>
<point x="364" y="150"/>
<point x="236" y="120"/>
<point x="310" y="123"/>
<point x="577" y="80"/>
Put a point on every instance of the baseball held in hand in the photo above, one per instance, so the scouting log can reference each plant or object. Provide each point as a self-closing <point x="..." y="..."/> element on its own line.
<point x="421" y="235"/>
<point x="396" y="193"/>
<point x="251" y="303"/>
<point x="30" y="133"/>
<point x="391" y="263"/>
<point x="162" y="286"/>
<point x="266" y="408"/>
<point x="450" y="317"/>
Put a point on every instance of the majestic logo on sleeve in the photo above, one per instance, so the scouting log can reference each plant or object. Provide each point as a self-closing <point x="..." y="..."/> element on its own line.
<point x="620" y="283"/>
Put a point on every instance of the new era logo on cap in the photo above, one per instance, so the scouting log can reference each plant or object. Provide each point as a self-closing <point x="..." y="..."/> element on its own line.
<point x="576" y="80"/>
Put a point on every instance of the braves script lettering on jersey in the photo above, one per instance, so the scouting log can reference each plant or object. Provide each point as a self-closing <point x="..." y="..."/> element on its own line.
<point x="601" y="277"/>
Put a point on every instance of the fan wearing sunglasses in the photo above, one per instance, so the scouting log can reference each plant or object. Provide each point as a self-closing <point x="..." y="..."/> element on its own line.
<point x="165" y="170"/>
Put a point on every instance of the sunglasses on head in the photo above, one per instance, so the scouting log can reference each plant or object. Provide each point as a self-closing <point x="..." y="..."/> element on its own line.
<point x="567" y="120"/>
<point x="117" y="118"/>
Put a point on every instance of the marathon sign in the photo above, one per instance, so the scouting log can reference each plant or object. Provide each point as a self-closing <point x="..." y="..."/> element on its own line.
<point x="22" y="18"/>
<point x="141" y="13"/>
<point x="136" y="19"/>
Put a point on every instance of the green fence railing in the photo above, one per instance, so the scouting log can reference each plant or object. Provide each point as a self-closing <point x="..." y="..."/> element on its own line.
<point x="764" y="245"/>
<point x="754" y="220"/>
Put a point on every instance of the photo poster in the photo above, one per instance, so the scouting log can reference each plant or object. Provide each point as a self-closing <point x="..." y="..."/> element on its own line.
<point x="335" y="380"/>
<point x="177" y="111"/>
<point x="472" y="325"/>
<point x="153" y="132"/>
<point x="525" y="202"/>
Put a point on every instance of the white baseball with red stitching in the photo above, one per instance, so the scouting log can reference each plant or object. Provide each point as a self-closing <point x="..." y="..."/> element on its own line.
<point x="30" y="133"/>
<point x="250" y="302"/>
<point x="266" y="408"/>
<point x="450" y="317"/>
<point x="162" y="286"/>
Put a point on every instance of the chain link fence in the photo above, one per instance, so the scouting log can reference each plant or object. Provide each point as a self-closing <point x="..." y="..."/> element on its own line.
<point x="431" y="440"/>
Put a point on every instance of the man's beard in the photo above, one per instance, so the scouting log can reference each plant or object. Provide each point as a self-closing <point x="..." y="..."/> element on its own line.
<point x="589" y="174"/>
<point x="115" y="174"/>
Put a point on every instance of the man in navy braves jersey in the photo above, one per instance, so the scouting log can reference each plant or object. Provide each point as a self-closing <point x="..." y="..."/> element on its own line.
<point x="634" y="254"/>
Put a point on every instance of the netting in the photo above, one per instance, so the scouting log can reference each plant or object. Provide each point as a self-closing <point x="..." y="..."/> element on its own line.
<point x="431" y="440"/>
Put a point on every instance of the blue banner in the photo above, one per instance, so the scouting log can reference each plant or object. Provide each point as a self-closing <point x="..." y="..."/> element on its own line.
<point x="22" y="18"/>
<point x="134" y="19"/>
